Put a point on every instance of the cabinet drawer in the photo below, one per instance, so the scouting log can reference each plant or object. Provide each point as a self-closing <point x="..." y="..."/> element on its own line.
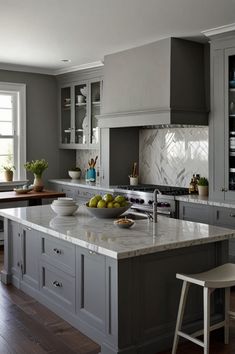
<point x="58" y="286"/>
<point x="195" y="212"/>
<point x="224" y="217"/>
<point x="59" y="253"/>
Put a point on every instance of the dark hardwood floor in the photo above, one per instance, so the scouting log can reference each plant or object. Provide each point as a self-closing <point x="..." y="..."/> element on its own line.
<point x="27" y="327"/>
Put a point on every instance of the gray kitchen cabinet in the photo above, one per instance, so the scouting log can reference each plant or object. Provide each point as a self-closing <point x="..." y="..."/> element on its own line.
<point x="80" y="98"/>
<point x="225" y="217"/>
<point x="15" y="251"/>
<point x="25" y="250"/>
<point x="91" y="292"/>
<point x="195" y="212"/>
<point x="222" y="118"/>
<point x="30" y="241"/>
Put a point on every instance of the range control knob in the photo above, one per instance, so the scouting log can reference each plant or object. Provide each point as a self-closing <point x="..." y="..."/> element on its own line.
<point x="132" y="200"/>
<point x="166" y="205"/>
<point x="150" y="202"/>
<point x="141" y="201"/>
<point x="137" y="200"/>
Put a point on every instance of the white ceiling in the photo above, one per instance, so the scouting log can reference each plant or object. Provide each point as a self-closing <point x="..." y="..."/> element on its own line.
<point x="39" y="33"/>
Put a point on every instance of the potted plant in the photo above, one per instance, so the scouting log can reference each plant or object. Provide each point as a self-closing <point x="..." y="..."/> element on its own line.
<point x="37" y="167"/>
<point x="8" y="173"/>
<point x="75" y="172"/>
<point x="203" y="186"/>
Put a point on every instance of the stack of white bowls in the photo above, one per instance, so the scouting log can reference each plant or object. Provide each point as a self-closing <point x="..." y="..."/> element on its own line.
<point x="64" y="206"/>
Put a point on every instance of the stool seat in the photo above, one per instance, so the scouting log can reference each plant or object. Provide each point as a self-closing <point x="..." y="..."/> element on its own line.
<point x="216" y="278"/>
<point x="219" y="277"/>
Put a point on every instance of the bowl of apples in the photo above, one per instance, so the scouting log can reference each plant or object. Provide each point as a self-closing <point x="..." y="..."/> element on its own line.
<point x="108" y="206"/>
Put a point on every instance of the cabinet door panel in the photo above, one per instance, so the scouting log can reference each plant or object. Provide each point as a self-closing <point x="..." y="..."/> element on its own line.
<point x="15" y="241"/>
<point x="91" y="287"/>
<point x="58" y="286"/>
<point x="31" y="250"/>
<point x="216" y="127"/>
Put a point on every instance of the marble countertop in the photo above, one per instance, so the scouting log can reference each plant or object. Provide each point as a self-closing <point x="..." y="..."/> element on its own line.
<point x="102" y="236"/>
<point x="204" y="200"/>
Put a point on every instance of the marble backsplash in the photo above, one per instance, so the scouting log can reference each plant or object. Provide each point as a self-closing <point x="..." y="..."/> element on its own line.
<point x="170" y="156"/>
<point x="82" y="157"/>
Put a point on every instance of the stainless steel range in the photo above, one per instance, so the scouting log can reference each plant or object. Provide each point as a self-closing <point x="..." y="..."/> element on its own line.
<point x="141" y="197"/>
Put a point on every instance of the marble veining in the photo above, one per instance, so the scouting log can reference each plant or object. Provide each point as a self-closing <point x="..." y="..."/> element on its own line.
<point x="102" y="236"/>
<point x="170" y="156"/>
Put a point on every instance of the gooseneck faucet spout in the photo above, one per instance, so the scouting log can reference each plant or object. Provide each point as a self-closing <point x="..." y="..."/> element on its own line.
<point x="155" y="193"/>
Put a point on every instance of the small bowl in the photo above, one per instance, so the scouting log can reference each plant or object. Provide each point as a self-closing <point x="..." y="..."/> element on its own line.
<point x="74" y="174"/>
<point x="124" y="223"/>
<point x="64" y="210"/>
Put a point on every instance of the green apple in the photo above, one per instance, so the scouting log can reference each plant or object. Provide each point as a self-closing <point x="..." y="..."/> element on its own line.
<point x="116" y="205"/>
<point x="119" y="199"/>
<point x="98" y="197"/>
<point x="108" y="198"/>
<point x="124" y="203"/>
<point x="101" y="204"/>
<point x="110" y="205"/>
<point x="93" y="202"/>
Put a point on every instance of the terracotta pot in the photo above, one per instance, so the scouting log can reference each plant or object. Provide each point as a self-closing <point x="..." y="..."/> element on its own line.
<point x="203" y="191"/>
<point x="38" y="184"/>
<point x="8" y="176"/>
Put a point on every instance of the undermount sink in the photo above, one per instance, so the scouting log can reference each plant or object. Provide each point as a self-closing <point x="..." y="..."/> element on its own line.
<point x="136" y="216"/>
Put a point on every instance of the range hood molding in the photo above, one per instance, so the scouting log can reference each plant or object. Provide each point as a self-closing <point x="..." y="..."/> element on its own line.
<point x="157" y="117"/>
<point x="160" y="83"/>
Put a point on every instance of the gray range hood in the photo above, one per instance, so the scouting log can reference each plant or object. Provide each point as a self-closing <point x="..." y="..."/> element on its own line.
<point x="161" y="83"/>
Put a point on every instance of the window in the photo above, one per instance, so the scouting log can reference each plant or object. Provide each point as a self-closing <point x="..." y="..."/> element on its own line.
<point x="13" y="128"/>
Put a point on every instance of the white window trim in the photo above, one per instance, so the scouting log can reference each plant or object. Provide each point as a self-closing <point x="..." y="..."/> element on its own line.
<point x="20" y="89"/>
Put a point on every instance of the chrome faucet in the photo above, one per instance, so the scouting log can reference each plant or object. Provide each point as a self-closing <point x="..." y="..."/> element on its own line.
<point x="155" y="193"/>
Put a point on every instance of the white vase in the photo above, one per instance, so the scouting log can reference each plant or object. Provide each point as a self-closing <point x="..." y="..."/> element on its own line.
<point x="38" y="183"/>
<point x="203" y="191"/>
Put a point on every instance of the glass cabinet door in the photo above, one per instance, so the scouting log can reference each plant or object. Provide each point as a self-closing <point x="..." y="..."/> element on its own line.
<point x="231" y="121"/>
<point x="66" y="126"/>
<point x="95" y="93"/>
<point x="81" y="115"/>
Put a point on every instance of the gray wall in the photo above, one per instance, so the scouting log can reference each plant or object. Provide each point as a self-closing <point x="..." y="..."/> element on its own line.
<point x="42" y="122"/>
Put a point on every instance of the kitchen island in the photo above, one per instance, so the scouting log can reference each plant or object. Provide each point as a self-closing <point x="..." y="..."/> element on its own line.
<point x="117" y="286"/>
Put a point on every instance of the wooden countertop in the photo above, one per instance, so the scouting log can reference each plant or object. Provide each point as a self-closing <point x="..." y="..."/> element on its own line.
<point x="12" y="196"/>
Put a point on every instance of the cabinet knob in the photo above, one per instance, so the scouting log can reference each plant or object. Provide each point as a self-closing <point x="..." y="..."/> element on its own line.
<point x="57" y="251"/>
<point x="57" y="284"/>
<point x="224" y="189"/>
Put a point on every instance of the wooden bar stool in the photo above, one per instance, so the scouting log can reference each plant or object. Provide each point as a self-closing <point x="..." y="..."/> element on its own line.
<point x="219" y="277"/>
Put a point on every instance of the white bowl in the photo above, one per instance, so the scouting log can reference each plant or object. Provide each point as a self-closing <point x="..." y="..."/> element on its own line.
<point x="64" y="210"/>
<point x="74" y="174"/>
<point x="63" y="203"/>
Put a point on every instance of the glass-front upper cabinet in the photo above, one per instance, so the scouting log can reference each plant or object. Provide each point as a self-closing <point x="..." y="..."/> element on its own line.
<point x="80" y="104"/>
<point x="95" y="101"/>
<point x="231" y="121"/>
<point x="65" y="122"/>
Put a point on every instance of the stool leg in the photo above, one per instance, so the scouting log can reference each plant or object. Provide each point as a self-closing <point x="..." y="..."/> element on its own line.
<point x="179" y="320"/>
<point x="226" y="315"/>
<point x="206" y="305"/>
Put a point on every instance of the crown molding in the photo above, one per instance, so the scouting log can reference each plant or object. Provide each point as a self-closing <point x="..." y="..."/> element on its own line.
<point x="45" y="71"/>
<point x="219" y="30"/>
<point x="70" y="69"/>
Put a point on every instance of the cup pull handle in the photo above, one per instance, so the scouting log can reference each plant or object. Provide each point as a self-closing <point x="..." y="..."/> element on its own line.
<point x="57" y="284"/>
